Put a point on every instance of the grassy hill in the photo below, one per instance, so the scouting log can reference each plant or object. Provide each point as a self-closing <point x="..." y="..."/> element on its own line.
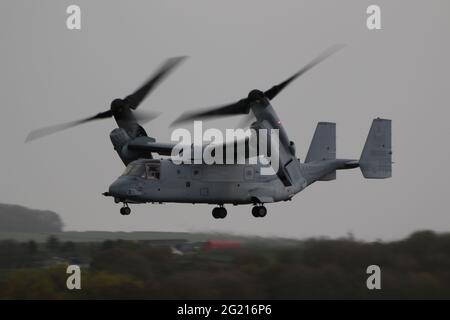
<point x="100" y="236"/>
<point x="14" y="218"/>
<point x="413" y="268"/>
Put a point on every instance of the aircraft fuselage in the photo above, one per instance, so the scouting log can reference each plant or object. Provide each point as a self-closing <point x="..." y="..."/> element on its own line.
<point x="163" y="181"/>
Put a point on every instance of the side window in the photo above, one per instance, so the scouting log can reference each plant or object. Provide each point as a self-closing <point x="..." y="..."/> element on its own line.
<point x="248" y="173"/>
<point x="152" y="171"/>
<point x="181" y="173"/>
<point x="196" y="173"/>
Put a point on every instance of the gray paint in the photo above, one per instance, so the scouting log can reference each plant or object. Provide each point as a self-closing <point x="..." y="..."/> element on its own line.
<point x="50" y="75"/>
<point x="245" y="184"/>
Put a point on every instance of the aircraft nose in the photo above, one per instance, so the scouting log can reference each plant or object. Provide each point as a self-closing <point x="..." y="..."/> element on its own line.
<point x="116" y="188"/>
<point x="122" y="188"/>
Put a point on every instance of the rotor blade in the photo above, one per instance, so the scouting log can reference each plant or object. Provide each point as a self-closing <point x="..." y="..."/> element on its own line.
<point x="139" y="95"/>
<point x="145" y="117"/>
<point x="246" y="120"/>
<point x="240" y="107"/>
<point x="39" y="133"/>
<point x="243" y="106"/>
<point x="275" y="90"/>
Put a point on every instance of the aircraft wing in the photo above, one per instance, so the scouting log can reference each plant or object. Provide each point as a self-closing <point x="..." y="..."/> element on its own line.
<point x="149" y="145"/>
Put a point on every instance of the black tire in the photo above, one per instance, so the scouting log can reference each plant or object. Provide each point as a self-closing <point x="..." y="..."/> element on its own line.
<point x="255" y="212"/>
<point x="215" y="213"/>
<point x="222" y="212"/>
<point x="262" y="211"/>
<point x="125" y="211"/>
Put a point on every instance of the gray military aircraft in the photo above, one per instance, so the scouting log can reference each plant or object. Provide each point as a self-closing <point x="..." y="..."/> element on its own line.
<point x="148" y="179"/>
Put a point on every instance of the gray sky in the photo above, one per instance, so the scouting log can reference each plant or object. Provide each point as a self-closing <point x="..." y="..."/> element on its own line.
<point x="49" y="74"/>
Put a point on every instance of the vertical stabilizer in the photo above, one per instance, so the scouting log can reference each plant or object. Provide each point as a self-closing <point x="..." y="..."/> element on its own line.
<point x="376" y="158"/>
<point x="323" y="146"/>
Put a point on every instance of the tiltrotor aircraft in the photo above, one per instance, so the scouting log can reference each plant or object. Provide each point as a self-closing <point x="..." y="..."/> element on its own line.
<point x="148" y="179"/>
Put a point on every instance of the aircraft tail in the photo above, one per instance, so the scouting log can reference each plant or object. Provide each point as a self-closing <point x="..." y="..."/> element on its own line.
<point x="323" y="146"/>
<point x="376" y="157"/>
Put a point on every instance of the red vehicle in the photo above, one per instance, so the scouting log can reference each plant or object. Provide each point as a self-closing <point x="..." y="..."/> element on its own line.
<point x="221" y="244"/>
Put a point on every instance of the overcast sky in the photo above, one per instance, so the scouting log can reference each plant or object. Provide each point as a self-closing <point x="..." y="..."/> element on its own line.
<point x="49" y="74"/>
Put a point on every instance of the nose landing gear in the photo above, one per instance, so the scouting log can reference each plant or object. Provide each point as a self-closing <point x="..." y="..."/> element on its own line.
<point x="125" y="210"/>
<point x="219" y="212"/>
<point x="259" y="211"/>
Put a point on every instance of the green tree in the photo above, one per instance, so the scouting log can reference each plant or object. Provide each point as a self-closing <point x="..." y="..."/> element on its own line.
<point x="53" y="243"/>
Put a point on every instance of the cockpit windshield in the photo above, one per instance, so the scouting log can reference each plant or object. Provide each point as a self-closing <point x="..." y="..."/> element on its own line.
<point x="149" y="171"/>
<point x="137" y="170"/>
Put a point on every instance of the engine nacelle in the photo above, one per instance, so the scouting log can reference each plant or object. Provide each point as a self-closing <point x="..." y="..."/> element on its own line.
<point x="292" y="148"/>
<point x="120" y="139"/>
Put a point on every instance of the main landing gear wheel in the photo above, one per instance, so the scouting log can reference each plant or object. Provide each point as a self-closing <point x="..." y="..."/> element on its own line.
<point x="259" y="211"/>
<point x="125" y="211"/>
<point x="219" y="212"/>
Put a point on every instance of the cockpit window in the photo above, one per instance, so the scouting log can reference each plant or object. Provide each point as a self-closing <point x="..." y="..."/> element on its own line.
<point x="127" y="170"/>
<point x="152" y="171"/>
<point x="148" y="171"/>
<point x="137" y="170"/>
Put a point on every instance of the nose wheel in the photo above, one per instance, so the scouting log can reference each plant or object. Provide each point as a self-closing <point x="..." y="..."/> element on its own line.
<point x="125" y="210"/>
<point x="219" y="212"/>
<point x="259" y="211"/>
